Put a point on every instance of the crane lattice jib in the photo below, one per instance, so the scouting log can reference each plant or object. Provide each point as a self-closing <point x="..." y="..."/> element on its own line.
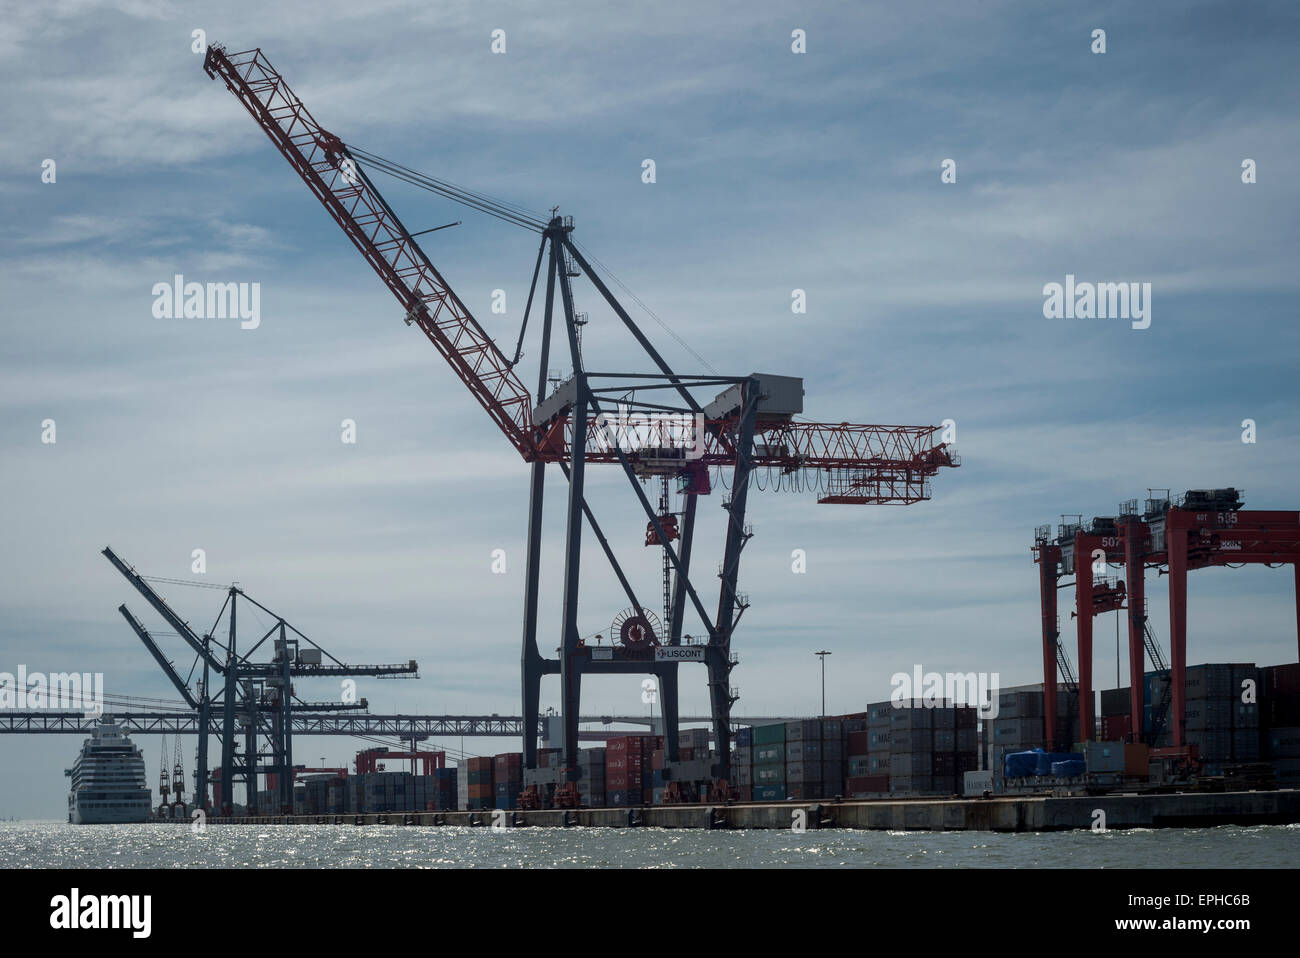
<point x="790" y="445"/>
<point x="320" y="159"/>
<point x="864" y="463"/>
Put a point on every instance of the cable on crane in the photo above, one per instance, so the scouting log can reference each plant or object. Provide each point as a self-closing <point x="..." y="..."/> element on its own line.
<point x="189" y="582"/>
<point x="646" y="309"/>
<point x="515" y="214"/>
<point x="502" y="210"/>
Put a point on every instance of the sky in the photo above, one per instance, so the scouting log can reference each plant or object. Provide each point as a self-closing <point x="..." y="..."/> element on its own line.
<point x="774" y="171"/>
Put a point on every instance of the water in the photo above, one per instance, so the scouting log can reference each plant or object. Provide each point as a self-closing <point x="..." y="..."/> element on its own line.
<point x="55" y="844"/>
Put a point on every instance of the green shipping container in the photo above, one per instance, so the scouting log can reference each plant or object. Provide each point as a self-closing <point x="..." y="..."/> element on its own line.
<point x="769" y="754"/>
<point x="768" y="735"/>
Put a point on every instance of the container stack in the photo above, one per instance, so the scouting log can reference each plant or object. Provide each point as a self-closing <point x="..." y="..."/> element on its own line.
<point x="1116" y="715"/>
<point x="860" y="780"/>
<point x="1018" y="726"/>
<point x="814" y="758"/>
<point x="742" y="763"/>
<point x="956" y="747"/>
<point x="880" y="734"/>
<point x="628" y="779"/>
<point x="508" y="779"/>
<point x="911" y="749"/>
<point x="480" y="791"/>
<point x="769" y="763"/>
<point x="591" y="777"/>
<point x="1280" y="717"/>
<point x="442" y="790"/>
<point x="1223" y="728"/>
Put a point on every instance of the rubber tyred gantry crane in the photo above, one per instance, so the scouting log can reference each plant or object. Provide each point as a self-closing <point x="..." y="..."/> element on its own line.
<point x="1202" y="528"/>
<point x="651" y="425"/>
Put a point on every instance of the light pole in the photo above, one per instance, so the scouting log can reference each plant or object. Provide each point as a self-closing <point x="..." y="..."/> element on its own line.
<point x="822" y="655"/>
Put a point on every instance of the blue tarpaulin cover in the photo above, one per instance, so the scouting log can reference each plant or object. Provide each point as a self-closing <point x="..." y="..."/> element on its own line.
<point x="1037" y="762"/>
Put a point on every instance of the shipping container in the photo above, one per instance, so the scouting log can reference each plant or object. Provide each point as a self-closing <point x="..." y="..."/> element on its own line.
<point x="1115" y="702"/>
<point x="769" y="753"/>
<point x="857" y="742"/>
<point x="769" y="793"/>
<point x="861" y="785"/>
<point x="1283" y="743"/>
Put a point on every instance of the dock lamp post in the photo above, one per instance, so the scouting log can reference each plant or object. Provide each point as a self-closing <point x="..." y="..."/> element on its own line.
<point x="822" y="655"/>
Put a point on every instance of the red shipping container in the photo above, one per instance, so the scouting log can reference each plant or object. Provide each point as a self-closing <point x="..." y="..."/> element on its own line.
<point x="858" y="784"/>
<point x="859" y="743"/>
<point x="1116" y="728"/>
<point x="1284" y="678"/>
<point x="657" y="759"/>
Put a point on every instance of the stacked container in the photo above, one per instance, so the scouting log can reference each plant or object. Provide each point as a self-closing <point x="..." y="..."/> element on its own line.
<point x="591" y="777"/>
<point x="742" y="763"/>
<point x="1280" y="719"/>
<point x="628" y="779"/>
<point x="1116" y="715"/>
<point x="480" y="792"/>
<point x="814" y="758"/>
<point x="769" y="763"/>
<point x="1223" y="728"/>
<point x="911" y="749"/>
<point x="860" y="779"/>
<point x="1019" y="723"/>
<point x="507" y="779"/>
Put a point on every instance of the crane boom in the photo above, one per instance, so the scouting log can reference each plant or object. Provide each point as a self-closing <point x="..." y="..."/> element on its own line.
<point x="861" y="463"/>
<point x="327" y="168"/>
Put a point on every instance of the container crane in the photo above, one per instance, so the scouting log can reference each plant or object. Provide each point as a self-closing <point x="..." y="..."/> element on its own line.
<point x="256" y="698"/>
<point x="750" y="425"/>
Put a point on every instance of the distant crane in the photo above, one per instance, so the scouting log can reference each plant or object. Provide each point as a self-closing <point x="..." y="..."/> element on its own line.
<point x="164" y="784"/>
<point x="749" y="428"/>
<point x="256" y="698"/>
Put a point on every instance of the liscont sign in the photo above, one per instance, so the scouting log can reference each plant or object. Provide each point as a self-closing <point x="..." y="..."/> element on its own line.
<point x="679" y="653"/>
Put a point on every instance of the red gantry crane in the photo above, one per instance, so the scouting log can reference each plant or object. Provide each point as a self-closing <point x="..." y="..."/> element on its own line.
<point x="1200" y="529"/>
<point x="652" y="425"/>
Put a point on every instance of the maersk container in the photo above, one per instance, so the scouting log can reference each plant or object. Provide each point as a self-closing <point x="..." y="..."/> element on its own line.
<point x="912" y="718"/>
<point x="880" y="715"/>
<point x="768" y="793"/>
<point x="905" y="741"/>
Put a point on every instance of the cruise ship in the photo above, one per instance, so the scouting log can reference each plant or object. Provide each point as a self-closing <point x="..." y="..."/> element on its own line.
<point x="108" y="781"/>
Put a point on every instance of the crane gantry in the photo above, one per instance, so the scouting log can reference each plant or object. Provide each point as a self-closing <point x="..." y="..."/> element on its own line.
<point x="750" y="425"/>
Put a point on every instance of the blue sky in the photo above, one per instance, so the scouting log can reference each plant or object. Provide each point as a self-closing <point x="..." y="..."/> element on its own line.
<point x="775" y="171"/>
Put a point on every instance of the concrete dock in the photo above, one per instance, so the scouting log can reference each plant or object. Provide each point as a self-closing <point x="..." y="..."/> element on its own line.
<point x="999" y="814"/>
